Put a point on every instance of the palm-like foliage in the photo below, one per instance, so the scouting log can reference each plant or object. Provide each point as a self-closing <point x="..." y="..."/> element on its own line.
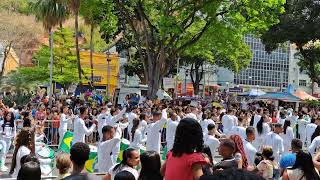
<point x="50" y="12"/>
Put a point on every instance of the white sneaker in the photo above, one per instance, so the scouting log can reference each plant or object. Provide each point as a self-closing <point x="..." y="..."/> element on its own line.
<point x="4" y="168"/>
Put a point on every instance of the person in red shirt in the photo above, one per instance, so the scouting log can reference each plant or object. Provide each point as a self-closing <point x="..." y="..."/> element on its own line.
<point x="185" y="160"/>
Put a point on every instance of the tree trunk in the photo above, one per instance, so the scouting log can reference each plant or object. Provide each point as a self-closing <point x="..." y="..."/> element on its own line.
<point x="91" y="50"/>
<point x="51" y="66"/>
<point x="76" y="17"/>
<point x="198" y="77"/>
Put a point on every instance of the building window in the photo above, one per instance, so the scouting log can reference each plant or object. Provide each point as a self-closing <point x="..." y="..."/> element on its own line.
<point x="303" y="83"/>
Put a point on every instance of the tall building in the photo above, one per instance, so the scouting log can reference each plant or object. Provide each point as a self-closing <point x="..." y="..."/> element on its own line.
<point x="269" y="71"/>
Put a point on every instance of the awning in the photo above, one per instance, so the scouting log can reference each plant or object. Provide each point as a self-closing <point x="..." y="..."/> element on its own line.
<point x="253" y="92"/>
<point x="279" y="96"/>
<point x="304" y="96"/>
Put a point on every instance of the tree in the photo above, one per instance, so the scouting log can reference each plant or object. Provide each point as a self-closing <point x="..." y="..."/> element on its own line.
<point x="165" y="29"/>
<point x="51" y="13"/>
<point x="90" y="10"/>
<point x="300" y="24"/>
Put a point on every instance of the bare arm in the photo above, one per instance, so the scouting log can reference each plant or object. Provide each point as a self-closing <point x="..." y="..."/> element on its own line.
<point x="163" y="169"/>
<point x="197" y="171"/>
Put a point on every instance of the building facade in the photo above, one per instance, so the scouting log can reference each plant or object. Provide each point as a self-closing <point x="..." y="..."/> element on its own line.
<point x="269" y="71"/>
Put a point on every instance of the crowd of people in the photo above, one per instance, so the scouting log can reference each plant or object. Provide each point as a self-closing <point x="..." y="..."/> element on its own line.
<point x="199" y="141"/>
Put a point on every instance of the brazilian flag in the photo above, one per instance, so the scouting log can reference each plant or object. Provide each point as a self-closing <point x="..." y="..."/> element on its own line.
<point x="65" y="146"/>
<point x="66" y="142"/>
<point x="125" y="144"/>
<point x="91" y="162"/>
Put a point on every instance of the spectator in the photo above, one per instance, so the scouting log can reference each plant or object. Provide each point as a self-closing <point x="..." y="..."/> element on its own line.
<point x="303" y="169"/>
<point x="185" y="160"/>
<point x="249" y="149"/>
<point x="124" y="175"/>
<point x="288" y="160"/>
<point x="226" y="150"/>
<point x="30" y="171"/>
<point x="24" y="146"/>
<point x="239" y="154"/>
<point x="63" y="164"/>
<point x="232" y="174"/>
<point x="150" y="166"/>
<point x="130" y="159"/>
<point x="79" y="154"/>
<point x="266" y="166"/>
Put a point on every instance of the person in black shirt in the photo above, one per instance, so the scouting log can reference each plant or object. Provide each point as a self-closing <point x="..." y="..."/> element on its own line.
<point x="79" y="154"/>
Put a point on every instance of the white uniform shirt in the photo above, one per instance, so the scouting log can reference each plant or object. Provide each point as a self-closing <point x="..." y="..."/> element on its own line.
<point x="131" y="117"/>
<point x="238" y="130"/>
<point x="193" y="116"/>
<point x="80" y="130"/>
<point x="102" y="118"/>
<point x="138" y="140"/>
<point x="112" y="120"/>
<point x="22" y="151"/>
<point x="310" y="128"/>
<point x="228" y="123"/>
<point x="314" y="145"/>
<point x="154" y="133"/>
<point x="63" y="123"/>
<point x="287" y="138"/>
<point x="204" y="125"/>
<point x="276" y="142"/>
<point x="250" y="151"/>
<point x="213" y="144"/>
<point x="256" y="119"/>
<point x="170" y="132"/>
<point x="105" y="156"/>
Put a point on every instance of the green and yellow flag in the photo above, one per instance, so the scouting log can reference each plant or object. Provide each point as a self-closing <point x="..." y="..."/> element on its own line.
<point x="123" y="146"/>
<point x="91" y="162"/>
<point x="66" y="142"/>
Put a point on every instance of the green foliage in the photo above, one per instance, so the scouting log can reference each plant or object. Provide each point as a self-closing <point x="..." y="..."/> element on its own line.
<point x="167" y="30"/>
<point x="65" y="63"/>
<point x="99" y="45"/>
<point x="18" y="6"/>
<point x="300" y="24"/>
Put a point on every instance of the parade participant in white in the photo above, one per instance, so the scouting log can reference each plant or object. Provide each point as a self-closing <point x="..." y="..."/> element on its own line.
<point x="24" y="145"/>
<point x="136" y="134"/>
<point x="211" y="141"/>
<point x="63" y="123"/>
<point x="154" y="131"/>
<point x="205" y="122"/>
<point x="228" y="122"/>
<point x="115" y="116"/>
<point x="302" y="124"/>
<point x="111" y="136"/>
<point x="131" y="116"/>
<point x="315" y="138"/>
<point x="80" y="129"/>
<point x="239" y="130"/>
<point x="310" y="128"/>
<point x="249" y="149"/>
<point x="172" y="124"/>
<point x="102" y="118"/>
<point x="274" y="140"/>
<point x="257" y="117"/>
<point x="287" y="135"/>
<point x="262" y="129"/>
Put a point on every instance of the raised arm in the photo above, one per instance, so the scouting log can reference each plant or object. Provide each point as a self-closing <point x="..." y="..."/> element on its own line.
<point x="117" y="117"/>
<point x="86" y="130"/>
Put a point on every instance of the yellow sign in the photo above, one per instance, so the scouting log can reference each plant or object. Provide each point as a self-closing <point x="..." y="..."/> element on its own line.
<point x="100" y="68"/>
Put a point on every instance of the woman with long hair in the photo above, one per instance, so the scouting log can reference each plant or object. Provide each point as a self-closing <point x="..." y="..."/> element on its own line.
<point x="130" y="159"/>
<point x="303" y="169"/>
<point x="262" y="129"/>
<point x="315" y="141"/>
<point x="24" y="146"/>
<point x="316" y="133"/>
<point x="239" y="154"/>
<point x="8" y="129"/>
<point x="287" y="135"/>
<point x="136" y="134"/>
<point x="150" y="166"/>
<point x="185" y="160"/>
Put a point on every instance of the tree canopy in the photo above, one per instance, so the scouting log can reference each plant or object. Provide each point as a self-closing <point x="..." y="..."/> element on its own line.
<point x="168" y="29"/>
<point x="300" y="24"/>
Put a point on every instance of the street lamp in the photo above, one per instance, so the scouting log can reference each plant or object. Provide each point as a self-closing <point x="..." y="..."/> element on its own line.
<point x="108" y="72"/>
